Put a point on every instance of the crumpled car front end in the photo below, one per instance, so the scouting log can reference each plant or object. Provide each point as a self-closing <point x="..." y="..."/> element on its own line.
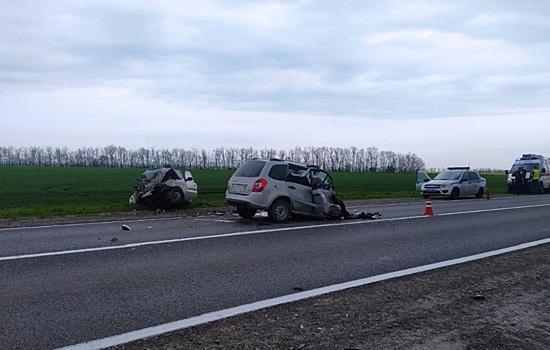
<point x="164" y="188"/>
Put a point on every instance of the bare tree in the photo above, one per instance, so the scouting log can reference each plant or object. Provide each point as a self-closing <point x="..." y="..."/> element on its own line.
<point x="333" y="158"/>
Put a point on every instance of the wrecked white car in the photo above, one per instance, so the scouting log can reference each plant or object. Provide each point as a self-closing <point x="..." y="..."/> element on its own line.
<point x="164" y="188"/>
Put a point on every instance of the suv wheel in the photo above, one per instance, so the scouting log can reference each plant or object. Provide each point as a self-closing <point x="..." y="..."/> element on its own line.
<point x="246" y="211"/>
<point x="279" y="211"/>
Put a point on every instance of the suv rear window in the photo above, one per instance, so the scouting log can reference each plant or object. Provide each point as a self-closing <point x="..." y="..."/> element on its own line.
<point x="251" y="168"/>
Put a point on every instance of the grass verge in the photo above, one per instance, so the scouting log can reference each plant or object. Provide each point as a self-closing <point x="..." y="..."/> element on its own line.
<point x="42" y="192"/>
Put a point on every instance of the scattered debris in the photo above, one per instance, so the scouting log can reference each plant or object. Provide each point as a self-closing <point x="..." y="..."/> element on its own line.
<point x="126" y="228"/>
<point x="114" y="239"/>
<point x="362" y="215"/>
<point x="478" y="296"/>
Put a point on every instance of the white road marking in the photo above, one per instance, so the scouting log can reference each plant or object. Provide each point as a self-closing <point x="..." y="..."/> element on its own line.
<point x="226" y="313"/>
<point x="215" y="220"/>
<point x="91" y="223"/>
<point x="244" y="233"/>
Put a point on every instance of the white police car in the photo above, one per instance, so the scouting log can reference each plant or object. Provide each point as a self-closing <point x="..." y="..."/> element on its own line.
<point x="453" y="183"/>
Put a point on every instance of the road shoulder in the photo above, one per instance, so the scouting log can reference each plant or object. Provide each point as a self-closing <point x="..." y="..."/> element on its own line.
<point x="493" y="303"/>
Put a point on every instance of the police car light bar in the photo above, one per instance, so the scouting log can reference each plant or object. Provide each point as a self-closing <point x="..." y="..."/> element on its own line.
<point x="528" y="156"/>
<point x="458" y="168"/>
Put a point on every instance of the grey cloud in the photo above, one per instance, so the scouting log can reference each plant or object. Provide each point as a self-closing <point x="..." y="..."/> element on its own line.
<point x="372" y="59"/>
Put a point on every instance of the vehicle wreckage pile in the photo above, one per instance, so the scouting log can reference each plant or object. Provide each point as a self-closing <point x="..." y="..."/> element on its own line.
<point x="165" y="188"/>
<point x="311" y="192"/>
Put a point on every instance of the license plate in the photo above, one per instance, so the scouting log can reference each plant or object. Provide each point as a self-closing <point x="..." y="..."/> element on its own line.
<point x="239" y="187"/>
<point x="431" y="191"/>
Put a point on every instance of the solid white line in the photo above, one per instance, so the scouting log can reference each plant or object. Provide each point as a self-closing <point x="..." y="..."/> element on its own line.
<point x="244" y="233"/>
<point x="221" y="314"/>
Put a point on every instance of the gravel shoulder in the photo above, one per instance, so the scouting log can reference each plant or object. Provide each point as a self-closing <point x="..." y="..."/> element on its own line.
<point x="494" y="303"/>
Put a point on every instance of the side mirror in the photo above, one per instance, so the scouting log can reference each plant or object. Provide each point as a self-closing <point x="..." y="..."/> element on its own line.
<point x="506" y="172"/>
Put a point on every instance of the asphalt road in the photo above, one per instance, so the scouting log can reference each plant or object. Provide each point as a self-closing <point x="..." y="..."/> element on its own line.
<point x="64" y="285"/>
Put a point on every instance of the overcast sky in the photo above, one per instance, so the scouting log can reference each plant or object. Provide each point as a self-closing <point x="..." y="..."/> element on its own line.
<point x="455" y="82"/>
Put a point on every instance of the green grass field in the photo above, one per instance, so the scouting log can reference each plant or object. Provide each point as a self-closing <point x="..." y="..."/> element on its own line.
<point x="48" y="191"/>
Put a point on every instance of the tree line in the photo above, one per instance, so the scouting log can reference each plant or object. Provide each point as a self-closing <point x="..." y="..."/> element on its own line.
<point x="330" y="158"/>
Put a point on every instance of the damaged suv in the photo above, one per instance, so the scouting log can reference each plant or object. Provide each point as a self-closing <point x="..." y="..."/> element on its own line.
<point x="283" y="188"/>
<point x="164" y="188"/>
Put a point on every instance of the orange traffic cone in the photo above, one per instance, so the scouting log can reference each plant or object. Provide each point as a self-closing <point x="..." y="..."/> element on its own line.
<point x="428" y="210"/>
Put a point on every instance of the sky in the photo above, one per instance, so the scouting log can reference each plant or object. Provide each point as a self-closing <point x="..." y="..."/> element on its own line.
<point x="455" y="82"/>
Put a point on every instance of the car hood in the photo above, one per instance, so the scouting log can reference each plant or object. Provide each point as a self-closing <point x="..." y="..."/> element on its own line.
<point x="441" y="182"/>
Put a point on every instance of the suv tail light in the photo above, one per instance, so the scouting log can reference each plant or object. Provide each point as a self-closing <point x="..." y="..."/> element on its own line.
<point x="259" y="185"/>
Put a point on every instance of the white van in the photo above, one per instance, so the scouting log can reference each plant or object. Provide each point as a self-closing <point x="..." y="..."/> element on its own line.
<point x="528" y="161"/>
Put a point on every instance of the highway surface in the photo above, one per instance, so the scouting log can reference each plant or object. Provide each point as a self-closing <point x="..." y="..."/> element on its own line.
<point x="69" y="284"/>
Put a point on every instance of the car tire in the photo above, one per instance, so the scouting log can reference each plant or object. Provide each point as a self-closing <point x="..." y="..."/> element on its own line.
<point x="455" y="193"/>
<point x="426" y="196"/>
<point x="336" y="213"/>
<point x="479" y="193"/>
<point x="246" y="211"/>
<point x="279" y="211"/>
<point x="175" y="197"/>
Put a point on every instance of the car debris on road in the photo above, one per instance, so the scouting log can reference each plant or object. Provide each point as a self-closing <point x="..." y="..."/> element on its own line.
<point x="362" y="215"/>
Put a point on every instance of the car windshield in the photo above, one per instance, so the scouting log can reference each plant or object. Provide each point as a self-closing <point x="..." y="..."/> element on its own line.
<point x="448" y="175"/>
<point x="527" y="167"/>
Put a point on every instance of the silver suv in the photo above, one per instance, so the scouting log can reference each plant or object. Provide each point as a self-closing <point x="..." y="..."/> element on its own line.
<point x="283" y="188"/>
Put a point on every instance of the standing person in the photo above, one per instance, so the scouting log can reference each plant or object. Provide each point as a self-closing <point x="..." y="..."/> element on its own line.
<point x="535" y="178"/>
<point x="520" y="179"/>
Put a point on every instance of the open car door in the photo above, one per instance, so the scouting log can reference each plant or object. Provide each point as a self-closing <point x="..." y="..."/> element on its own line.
<point x="191" y="185"/>
<point x="421" y="177"/>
